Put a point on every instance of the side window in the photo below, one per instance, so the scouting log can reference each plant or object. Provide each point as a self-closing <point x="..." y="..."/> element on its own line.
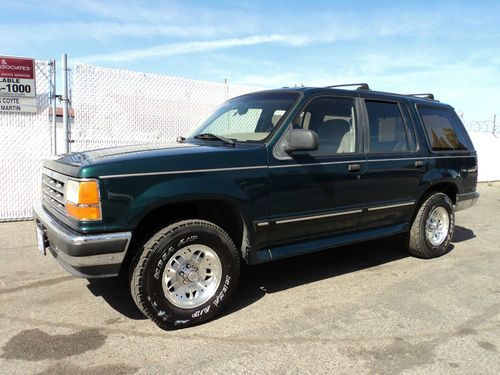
<point x="333" y="120"/>
<point x="444" y="129"/>
<point x="388" y="130"/>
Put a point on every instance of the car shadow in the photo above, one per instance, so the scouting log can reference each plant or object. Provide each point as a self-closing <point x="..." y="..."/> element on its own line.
<point x="462" y="234"/>
<point x="281" y="275"/>
<point x="115" y="291"/>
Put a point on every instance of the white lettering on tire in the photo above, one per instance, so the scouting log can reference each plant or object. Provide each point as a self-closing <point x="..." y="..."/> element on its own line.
<point x="222" y="293"/>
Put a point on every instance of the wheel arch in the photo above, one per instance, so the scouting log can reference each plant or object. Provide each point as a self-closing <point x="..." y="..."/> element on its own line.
<point x="449" y="188"/>
<point x="221" y="211"/>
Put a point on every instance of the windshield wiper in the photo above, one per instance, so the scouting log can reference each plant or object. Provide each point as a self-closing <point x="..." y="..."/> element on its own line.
<point x="210" y="136"/>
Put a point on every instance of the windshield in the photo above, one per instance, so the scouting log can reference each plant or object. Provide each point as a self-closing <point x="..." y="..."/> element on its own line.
<point x="247" y="118"/>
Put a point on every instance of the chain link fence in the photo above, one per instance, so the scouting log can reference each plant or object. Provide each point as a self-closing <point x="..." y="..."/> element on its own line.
<point x="25" y="140"/>
<point x="118" y="107"/>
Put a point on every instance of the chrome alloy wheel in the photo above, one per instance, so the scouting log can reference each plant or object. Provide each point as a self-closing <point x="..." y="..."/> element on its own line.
<point x="437" y="226"/>
<point x="192" y="276"/>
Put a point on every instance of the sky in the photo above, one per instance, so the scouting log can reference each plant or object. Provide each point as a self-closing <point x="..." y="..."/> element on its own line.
<point x="449" y="48"/>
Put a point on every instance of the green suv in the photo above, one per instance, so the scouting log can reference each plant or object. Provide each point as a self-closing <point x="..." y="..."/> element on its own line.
<point x="269" y="175"/>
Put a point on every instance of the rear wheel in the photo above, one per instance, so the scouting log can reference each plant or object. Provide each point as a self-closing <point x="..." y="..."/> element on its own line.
<point x="185" y="274"/>
<point x="433" y="226"/>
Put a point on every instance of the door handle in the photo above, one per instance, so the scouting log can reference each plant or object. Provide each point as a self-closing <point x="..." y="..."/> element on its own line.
<point x="354" y="167"/>
<point x="419" y="163"/>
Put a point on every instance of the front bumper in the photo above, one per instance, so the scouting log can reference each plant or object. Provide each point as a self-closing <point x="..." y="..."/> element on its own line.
<point x="89" y="256"/>
<point x="466" y="200"/>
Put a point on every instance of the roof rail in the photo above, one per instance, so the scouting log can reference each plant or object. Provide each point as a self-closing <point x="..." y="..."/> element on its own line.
<point x="361" y="86"/>
<point x="426" y="95"/>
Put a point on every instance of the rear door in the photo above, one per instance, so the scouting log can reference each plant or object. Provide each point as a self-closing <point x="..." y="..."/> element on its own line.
<point x="396" y="163"/>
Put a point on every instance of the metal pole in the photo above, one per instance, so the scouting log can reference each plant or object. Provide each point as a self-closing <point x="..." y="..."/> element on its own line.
<point x="54" y="105"/>
<point x="64" y="68"/>
<point x="494" y="124"/>
<point x="226" y="89"/>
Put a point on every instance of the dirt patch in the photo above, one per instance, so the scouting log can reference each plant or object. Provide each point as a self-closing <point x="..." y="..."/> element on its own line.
<point x="36" y="345"/>
<point x="37" y="284"/>
<point x="63" y="368"/>
<point x="397" y="357"/>
<point x="487" y="346"/>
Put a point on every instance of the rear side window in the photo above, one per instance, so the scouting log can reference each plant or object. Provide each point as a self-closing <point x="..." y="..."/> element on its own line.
<point x="390" y="130"/>
<point x="444" y="129"/>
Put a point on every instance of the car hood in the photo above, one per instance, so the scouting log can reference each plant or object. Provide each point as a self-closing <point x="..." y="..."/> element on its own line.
<point x="151" y="158"/>
<point x="104" y="155"/>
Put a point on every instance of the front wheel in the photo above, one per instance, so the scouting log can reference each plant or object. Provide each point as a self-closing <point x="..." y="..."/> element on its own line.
<point x="432" y="228"/>
<point x="185" y="274"/>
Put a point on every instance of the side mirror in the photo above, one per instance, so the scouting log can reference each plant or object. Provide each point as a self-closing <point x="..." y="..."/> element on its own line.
<point x="302" y="140"/>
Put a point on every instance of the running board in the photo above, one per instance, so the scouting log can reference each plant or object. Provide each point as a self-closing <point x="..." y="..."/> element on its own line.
<point x="287" y="251"/>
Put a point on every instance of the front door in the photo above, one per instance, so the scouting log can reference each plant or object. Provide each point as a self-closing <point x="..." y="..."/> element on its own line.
<point x="317" y="193"/>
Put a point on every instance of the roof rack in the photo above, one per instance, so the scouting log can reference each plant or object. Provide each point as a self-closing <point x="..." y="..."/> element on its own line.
<point x="426" y="95"/>
<point x="361" y="86"/>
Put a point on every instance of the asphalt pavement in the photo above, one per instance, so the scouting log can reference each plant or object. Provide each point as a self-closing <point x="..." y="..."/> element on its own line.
<point x="363" y="309"/>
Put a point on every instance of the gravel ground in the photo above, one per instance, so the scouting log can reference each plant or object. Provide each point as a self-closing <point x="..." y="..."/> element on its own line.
<point x="368" y="308"/>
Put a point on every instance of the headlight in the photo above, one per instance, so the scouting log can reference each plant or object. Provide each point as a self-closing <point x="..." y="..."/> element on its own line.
<point x="82" y="200"/>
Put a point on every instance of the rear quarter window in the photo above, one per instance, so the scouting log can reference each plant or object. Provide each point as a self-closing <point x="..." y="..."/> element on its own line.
<point x="444" y="129"/>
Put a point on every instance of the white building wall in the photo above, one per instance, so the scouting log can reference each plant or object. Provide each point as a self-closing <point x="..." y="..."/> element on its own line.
<point x="487" y="146"/>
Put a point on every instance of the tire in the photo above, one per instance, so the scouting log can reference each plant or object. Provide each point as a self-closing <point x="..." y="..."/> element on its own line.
<point x="429" y="237"/>
<point x="185" y="274"/>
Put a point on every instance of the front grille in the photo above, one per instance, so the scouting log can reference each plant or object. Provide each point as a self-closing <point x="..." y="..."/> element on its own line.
<point x="53" y="190"/>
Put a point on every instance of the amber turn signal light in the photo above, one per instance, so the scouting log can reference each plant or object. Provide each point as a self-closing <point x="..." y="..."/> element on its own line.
<point x="82" y="200"/>
<point x="88" y="192"/>
<point x="83" y="213"/>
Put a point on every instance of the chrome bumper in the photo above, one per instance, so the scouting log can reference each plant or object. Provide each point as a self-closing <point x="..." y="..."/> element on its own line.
<point x="466" y="200"/>
<point x="82" y="255"/>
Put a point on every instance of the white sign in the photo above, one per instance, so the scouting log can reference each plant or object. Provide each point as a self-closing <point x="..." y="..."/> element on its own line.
<point x="9" y="104"/>
<point x="17" y="84"/>
<point x="17" y="87"/>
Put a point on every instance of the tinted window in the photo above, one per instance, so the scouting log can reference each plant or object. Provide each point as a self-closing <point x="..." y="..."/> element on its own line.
<point x="333" y="120"/>
<point x="444" y="129"/>
<point x="388" y="131"/>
